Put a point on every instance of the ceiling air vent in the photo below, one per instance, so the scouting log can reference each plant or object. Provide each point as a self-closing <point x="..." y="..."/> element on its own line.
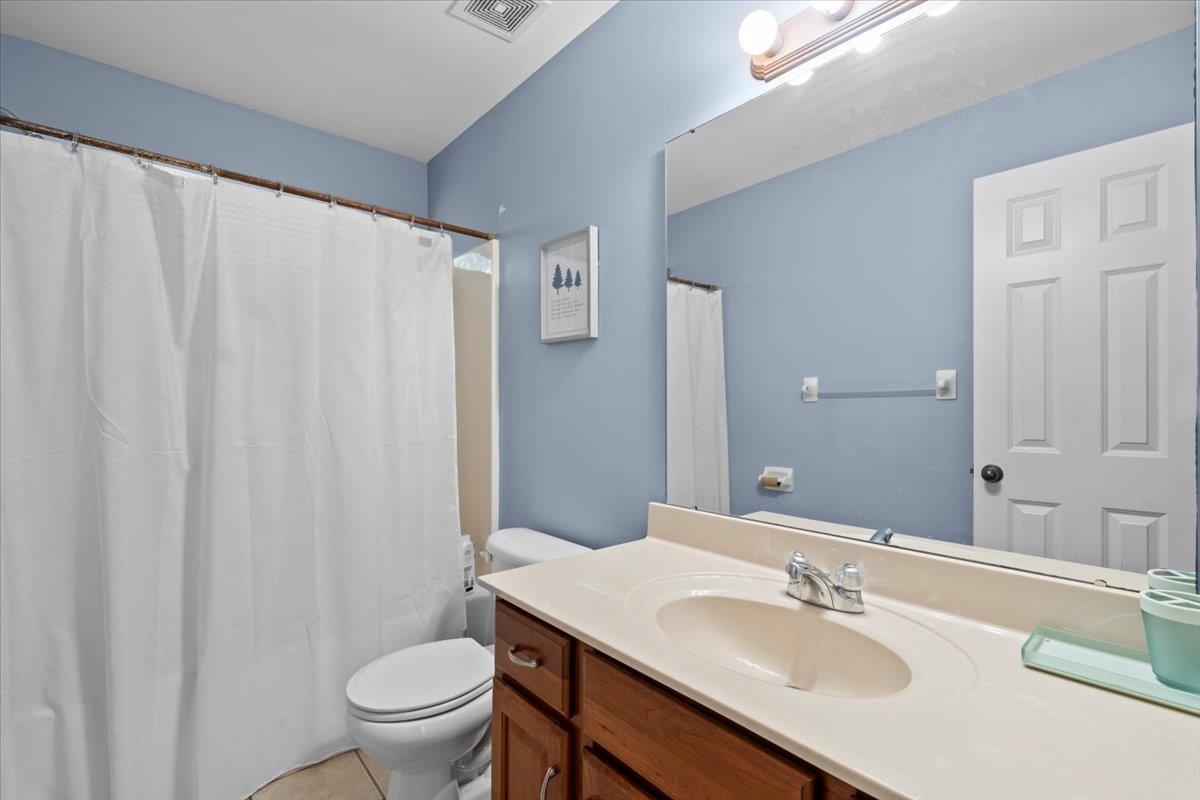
<point x="507" y="19"/>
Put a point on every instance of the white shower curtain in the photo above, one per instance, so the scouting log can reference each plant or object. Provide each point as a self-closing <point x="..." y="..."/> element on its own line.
<point x="697" y="429"/>
<point x="227" y="472"/>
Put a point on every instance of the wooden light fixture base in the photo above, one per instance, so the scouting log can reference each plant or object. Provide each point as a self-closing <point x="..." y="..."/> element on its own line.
<point x="811" y="33"/>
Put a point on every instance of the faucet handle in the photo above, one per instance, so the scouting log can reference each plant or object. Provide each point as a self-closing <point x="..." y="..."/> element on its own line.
<point x="797" y="563"/>
<point x="850" y="577"/>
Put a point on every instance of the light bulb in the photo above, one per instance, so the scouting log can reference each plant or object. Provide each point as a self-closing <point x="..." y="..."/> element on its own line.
<point x="759" y="34"/>
<point x="868" y="42"/>
<point x="939" y="7"/>
<point x="799" y="77"/>
<point x="833" y="8"/>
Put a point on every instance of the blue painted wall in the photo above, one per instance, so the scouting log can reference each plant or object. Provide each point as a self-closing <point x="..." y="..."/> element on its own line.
<point x="583" y="424"/>
<point x="55" y="88"/>
<point x="858" y="268"/>
<point x="581" y="142"/>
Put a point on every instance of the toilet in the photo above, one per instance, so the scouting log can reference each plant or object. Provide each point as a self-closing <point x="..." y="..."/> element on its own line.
<point x="420" y="710"/>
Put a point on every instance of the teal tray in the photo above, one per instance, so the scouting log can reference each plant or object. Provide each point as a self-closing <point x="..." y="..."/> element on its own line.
<point x="1110" y="666"/>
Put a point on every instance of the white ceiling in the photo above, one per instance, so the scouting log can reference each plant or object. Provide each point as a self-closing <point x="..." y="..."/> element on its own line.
<point x="403" y="76"/>
<point x="924" y="70"/>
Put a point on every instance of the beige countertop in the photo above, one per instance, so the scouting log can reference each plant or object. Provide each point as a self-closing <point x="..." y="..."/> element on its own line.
<point x="988" y="728"/>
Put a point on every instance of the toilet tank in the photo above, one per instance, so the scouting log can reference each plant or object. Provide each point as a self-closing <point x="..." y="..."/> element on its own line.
<point x="510" y="548"/>
<point x="519" y="547"/>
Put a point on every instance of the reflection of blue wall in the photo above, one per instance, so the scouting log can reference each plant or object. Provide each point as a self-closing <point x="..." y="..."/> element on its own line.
<point x="857" y="269"/>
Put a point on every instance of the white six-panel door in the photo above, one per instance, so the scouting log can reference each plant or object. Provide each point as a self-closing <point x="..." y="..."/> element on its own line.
<point x="1085" y="355"/>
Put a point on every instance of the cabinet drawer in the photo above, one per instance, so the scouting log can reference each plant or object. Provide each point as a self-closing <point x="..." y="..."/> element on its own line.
<point x="534" y="656"/>
<point x="602" y="782"/>
<point x="677" y="747"/>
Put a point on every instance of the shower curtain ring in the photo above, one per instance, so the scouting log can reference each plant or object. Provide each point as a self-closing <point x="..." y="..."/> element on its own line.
<point x="213" y="171"/>
<point x="332" y="200"/>
<point x="137" y="157"/>
<point x="374" y="214"/>
<point x="279" y="191"/>
<point x="442" y="227"/>
<point x="74" y="142"/>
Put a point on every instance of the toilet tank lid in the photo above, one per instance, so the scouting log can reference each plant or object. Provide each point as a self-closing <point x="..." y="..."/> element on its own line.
<point x="521" y="546"/>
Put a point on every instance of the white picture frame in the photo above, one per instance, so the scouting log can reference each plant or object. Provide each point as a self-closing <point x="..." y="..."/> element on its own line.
<point x="570" y="312"/>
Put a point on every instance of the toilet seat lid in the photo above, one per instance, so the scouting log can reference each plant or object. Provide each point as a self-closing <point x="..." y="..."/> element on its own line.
<point x="424" y="676"/>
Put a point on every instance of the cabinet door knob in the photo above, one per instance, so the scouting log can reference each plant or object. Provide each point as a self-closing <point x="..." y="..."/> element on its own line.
<point x="550" y="773"/>
<point x="991" y="473"/>
<point x="521" y="661"/>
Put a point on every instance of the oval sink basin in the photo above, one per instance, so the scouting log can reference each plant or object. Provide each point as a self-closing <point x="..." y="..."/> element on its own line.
<point x="800" y="647"/>
<point x="749" y="628"/>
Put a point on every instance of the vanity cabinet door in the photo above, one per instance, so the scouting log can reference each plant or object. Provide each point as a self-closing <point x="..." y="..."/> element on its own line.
<point x="531" y="751"/>
<point x="686" y="753"/>
<point x="602" y="782"/>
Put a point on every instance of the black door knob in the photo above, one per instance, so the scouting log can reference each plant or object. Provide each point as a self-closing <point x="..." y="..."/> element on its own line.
<point x="991" y="473"/>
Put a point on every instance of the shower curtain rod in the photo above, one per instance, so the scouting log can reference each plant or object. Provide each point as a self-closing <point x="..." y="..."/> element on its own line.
<point x="708" y="287"/>
<point x="217" y="172"/>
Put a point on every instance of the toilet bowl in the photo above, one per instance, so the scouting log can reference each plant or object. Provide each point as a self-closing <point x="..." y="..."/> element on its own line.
<point x="418" y="710"/>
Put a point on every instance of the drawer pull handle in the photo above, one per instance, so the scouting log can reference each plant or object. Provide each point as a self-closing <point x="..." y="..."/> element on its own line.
<point x="550" y="773"/>
<point x="527" y="663"/>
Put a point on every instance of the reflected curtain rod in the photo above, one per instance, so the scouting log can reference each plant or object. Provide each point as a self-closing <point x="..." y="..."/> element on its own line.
<point x="708" y="287"/>
<point x="217" y="172"/>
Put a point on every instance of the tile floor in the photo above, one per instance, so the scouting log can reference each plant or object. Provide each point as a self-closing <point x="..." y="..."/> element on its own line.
<point x="350" y="776"/>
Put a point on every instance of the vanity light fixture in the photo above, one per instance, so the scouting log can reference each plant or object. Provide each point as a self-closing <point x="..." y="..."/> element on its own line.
<point x="824" y="32"/>
<point x="834" y="9"/>
<point x="759" y="34"/>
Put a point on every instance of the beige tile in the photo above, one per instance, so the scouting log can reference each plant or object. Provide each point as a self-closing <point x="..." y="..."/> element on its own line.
<point x="340" y="778"/>
<point x="378" y="771"/>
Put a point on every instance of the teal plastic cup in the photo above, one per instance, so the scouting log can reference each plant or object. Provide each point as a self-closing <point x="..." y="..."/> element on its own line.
<point x="1175" y="580"/>
<point x="1172" y="621"/>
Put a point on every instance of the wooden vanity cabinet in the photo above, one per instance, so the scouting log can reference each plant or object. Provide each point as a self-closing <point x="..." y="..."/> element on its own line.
<point x="840" y="790"/>
<point x="584" y="727"/>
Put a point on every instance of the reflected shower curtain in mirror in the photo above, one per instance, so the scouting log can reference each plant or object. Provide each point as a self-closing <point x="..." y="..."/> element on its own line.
<point x="228" y="472"/>
<point x="697" y="431"/>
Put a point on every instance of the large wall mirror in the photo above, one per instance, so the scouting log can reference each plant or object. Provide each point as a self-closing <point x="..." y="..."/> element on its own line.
<point x="948" y="288"/>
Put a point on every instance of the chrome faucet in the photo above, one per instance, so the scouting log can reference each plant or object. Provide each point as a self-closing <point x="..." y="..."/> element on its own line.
<point x="882" y="536"/>
<point x="809" y="584"/>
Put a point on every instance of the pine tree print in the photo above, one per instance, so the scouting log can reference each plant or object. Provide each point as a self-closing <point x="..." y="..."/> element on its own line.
<point x="570" y="281"/>
<point x="578" y="282"/>
<point x="557" y="283"/>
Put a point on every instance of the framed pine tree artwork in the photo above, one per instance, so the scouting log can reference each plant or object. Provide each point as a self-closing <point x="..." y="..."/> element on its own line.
<point x="569" y="279"/>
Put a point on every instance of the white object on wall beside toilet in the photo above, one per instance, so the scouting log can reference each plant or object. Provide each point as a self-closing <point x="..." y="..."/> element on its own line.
<point x="468" y="562"/>
<point x="419" y="710"/>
